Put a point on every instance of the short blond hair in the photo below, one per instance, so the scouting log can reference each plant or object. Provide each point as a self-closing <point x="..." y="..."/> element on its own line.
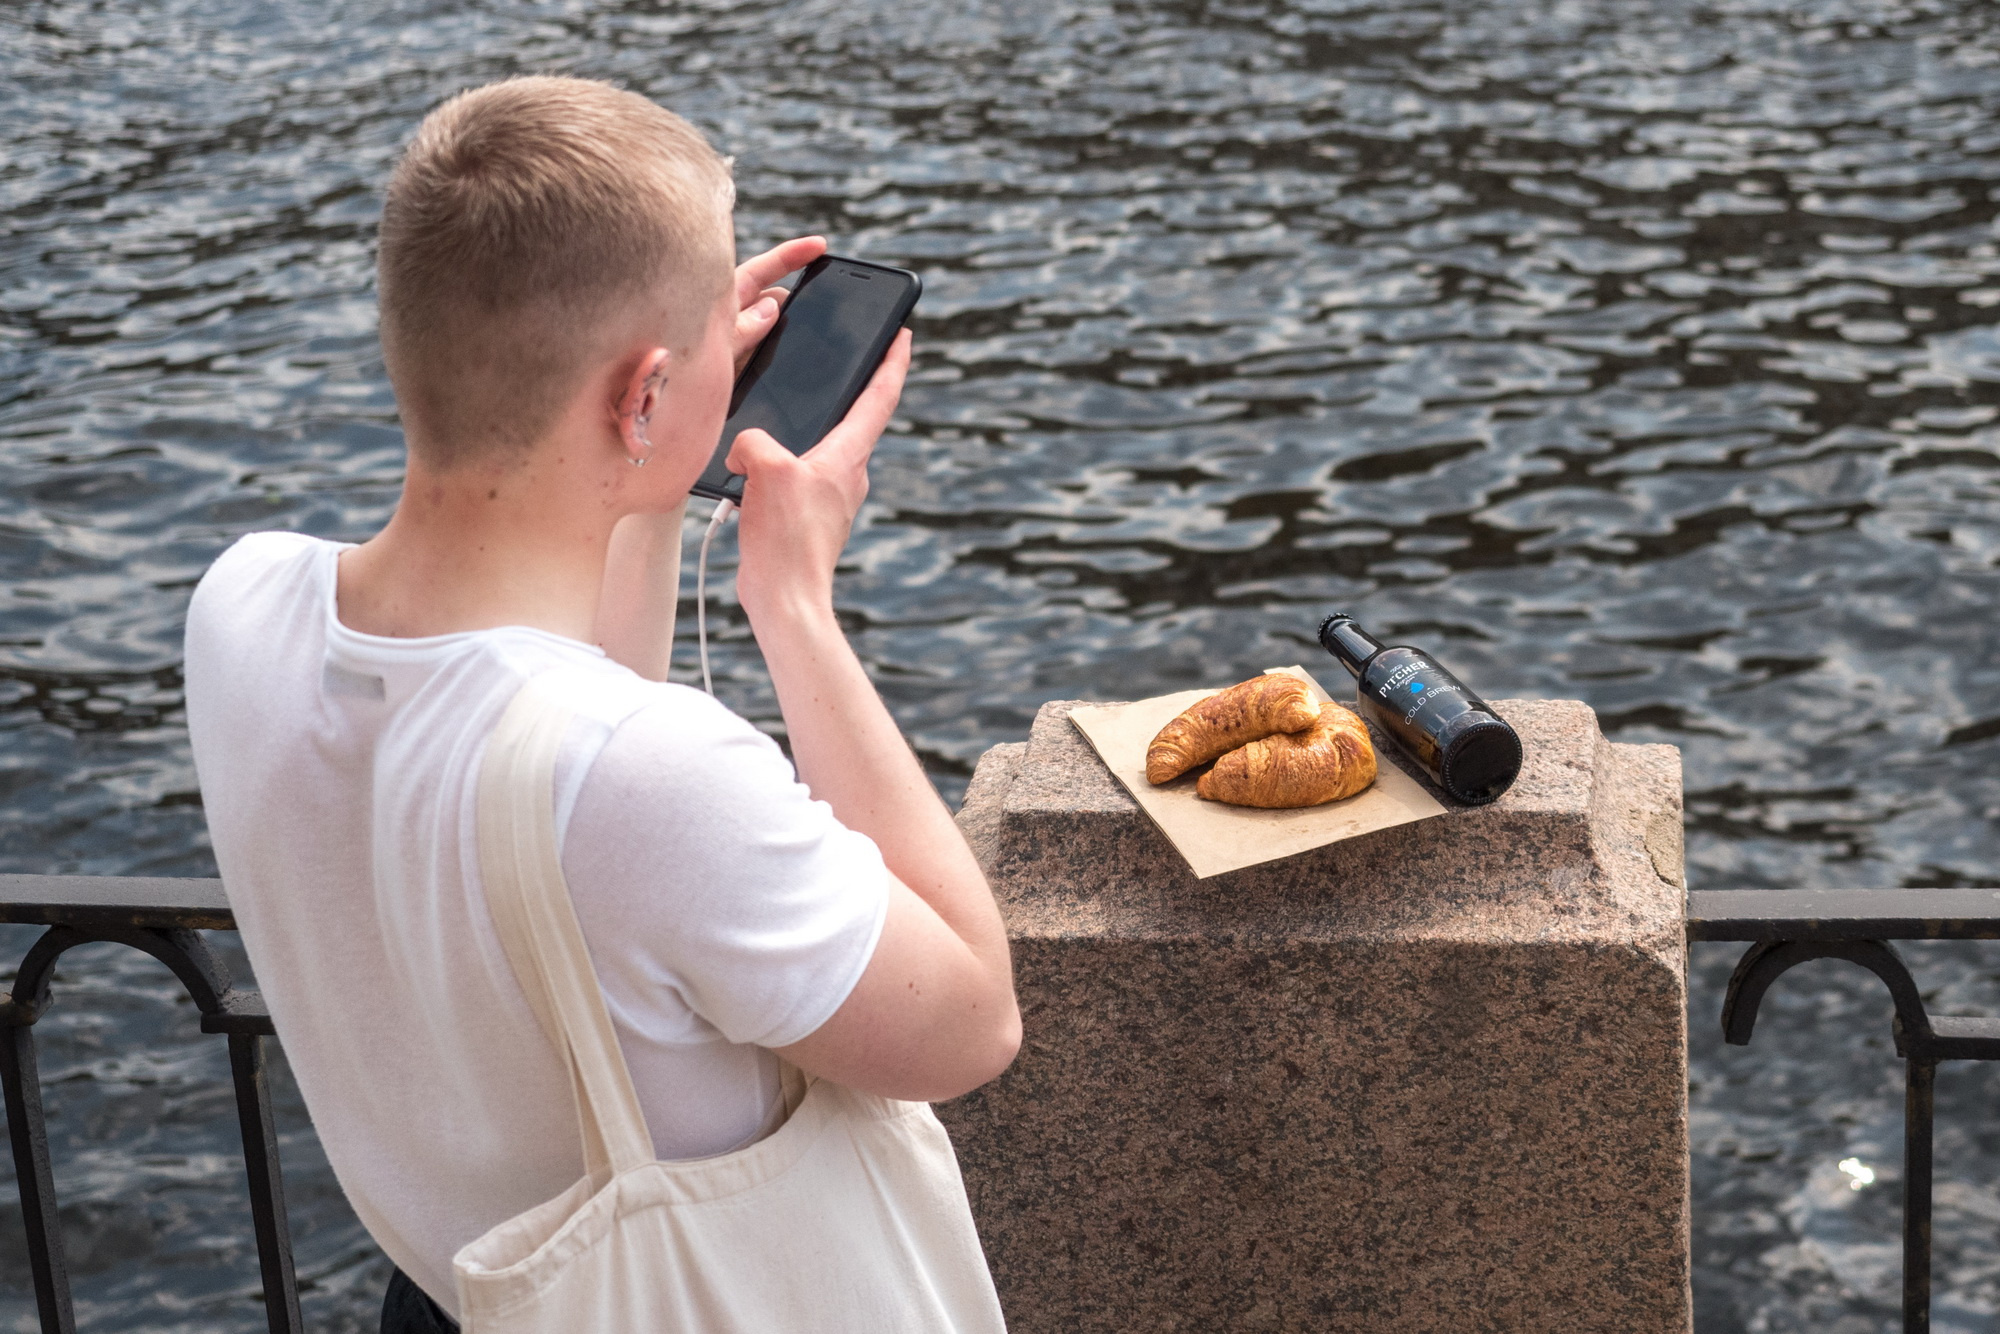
<point x="530" y="225"/>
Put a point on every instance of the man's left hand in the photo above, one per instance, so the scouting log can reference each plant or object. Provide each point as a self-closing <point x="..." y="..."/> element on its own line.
<point x="759" y="298"/>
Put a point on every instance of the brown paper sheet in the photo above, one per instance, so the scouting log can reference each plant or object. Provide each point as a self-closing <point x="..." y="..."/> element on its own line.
<point x="1214" y="837"/>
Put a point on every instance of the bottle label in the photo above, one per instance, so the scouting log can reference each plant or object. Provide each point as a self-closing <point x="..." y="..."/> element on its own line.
<point x="1415" y="686"/>
<point x="1417" y="702"/>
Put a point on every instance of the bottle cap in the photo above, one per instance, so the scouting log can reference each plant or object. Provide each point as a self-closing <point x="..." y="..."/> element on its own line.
<point x="1347" y="642"/>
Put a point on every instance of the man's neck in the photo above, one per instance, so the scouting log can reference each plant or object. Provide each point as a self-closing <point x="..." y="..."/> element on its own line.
<point x="473" y="548"/>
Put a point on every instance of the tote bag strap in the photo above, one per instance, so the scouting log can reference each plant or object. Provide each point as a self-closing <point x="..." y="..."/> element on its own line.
<point x="532" y="912"/>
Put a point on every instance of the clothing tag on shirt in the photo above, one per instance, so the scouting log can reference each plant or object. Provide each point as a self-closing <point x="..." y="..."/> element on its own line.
<point x="337" y="680"/>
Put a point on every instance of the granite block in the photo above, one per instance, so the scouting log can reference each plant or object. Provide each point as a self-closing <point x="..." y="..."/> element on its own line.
<point x="1430" y="1079"/>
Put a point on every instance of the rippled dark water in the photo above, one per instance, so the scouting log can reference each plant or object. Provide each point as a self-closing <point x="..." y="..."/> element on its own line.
<point x="1641" y="351"/>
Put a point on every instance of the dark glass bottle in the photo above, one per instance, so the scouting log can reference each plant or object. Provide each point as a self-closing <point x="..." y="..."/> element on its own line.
<point x="1466" y="748"/>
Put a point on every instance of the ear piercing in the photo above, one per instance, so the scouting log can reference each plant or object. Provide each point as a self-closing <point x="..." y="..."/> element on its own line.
<point x="639" y="422"/>
<point x="641" y="418"/>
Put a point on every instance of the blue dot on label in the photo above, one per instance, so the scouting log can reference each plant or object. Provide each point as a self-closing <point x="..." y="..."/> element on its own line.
<point x="1416" y="687"/>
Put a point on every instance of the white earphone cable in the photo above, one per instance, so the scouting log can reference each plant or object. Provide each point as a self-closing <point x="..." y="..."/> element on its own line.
<point x="723" y="510"/>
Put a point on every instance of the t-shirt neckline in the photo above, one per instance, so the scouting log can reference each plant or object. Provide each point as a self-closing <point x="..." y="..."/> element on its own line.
<point x="361" y="642"/>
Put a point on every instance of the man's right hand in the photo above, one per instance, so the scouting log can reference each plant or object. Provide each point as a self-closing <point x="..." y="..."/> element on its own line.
<point x="933" y="1014"/>
<point x="798" y="509"/>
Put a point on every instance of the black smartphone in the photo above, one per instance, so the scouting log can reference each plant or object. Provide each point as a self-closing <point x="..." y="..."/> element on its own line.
<point x="831" y="335"/>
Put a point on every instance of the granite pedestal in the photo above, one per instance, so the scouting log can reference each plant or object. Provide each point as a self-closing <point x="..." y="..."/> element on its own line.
<point x="1431" y="1079"/>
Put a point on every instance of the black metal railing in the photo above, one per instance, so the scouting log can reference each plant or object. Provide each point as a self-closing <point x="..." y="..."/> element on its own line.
<point x="1789" y="927"/>
<point x="164" y="917"/>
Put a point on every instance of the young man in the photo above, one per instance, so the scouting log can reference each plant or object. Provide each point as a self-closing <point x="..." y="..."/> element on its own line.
<point x="562" y="325"/>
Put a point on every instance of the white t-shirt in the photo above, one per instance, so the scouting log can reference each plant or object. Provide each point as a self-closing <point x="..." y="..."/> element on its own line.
<point x="726" y="911"/>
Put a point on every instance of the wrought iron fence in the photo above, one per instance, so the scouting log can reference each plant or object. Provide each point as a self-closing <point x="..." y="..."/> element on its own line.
<point x="164" y="917"/>
<point x="1788" y="927"/>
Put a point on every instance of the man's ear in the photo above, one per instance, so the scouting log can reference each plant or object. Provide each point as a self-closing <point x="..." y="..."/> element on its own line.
<point x="640" y="401"/>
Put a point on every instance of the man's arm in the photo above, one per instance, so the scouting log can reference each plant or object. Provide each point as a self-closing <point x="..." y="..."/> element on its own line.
<point x="934" y="1014"/>
<point x="642" y="587"/>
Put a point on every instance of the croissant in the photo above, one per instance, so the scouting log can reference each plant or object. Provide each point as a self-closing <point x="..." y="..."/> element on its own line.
<point x="1278" y="702"/>
<point x="1329" y="760"/>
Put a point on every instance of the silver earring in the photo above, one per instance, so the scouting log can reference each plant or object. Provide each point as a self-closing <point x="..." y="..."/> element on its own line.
<point x="641" y="420"/>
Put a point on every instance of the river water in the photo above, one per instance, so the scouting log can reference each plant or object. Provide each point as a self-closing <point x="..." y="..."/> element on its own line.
<point x="1639" y="351"/>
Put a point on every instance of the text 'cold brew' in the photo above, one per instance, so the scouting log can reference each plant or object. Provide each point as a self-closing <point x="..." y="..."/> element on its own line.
<point x="1465" y="747"/>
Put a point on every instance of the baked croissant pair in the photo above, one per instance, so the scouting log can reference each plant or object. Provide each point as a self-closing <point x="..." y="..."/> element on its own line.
<point x="1273" y="744"/>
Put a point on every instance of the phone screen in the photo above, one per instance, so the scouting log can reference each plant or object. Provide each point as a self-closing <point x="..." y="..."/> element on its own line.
<point x="806" y="374"/>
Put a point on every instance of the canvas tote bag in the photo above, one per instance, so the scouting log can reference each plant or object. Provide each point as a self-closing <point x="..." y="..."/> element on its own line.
<point x="850" y="1218"/>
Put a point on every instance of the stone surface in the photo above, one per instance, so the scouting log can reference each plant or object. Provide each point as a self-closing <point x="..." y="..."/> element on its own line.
<point x="1430" y="1079"/>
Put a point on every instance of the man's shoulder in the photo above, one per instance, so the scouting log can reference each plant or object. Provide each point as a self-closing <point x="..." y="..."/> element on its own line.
<point x="255" y="558"/>
<point x="604" y="692"/>
<point x="253" y="632"/>
<point x="650" y="746"/>
<point x="260" y="577"/>
<point x="659" y="736"/>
